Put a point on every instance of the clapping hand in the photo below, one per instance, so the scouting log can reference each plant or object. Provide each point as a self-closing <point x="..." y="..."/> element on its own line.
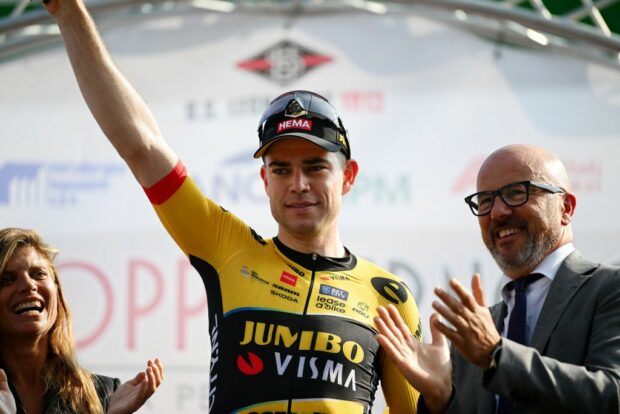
<point x="7" y="402"/>
<point x="130" y="396"/>
<point x="473" y="331"/>
<point x="426" y="366"/>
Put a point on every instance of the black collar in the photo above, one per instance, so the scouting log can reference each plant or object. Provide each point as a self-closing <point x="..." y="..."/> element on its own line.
<point x="316" y="262"/>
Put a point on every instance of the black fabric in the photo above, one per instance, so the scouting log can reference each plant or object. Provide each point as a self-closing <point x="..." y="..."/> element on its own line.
<point x="517" y="325"/>
<point x="105" y="387"/>
<point x="315" y="261"/>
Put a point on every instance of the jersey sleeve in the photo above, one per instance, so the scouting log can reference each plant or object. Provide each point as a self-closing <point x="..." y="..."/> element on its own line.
<point x="199" y="226"/>
<point x="400" y="396"/>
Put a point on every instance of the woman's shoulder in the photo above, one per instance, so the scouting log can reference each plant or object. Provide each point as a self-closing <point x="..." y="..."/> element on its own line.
<point x="105" y="387"/>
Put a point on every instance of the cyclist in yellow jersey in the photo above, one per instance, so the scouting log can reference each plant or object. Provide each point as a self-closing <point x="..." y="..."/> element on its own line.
<point x="290" y="318"/>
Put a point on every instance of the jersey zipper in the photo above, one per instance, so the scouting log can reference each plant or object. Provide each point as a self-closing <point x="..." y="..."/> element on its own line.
<point x="301" y="327"/>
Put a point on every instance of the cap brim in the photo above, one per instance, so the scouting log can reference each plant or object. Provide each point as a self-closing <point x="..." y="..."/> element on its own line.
<point x="326" y="145"/>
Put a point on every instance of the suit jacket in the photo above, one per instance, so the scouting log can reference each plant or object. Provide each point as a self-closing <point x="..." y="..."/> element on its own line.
<point x="573" y="361"/>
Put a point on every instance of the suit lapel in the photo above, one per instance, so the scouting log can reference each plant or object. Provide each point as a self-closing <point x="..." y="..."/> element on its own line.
<point x="486" y="400"/>
<point x="498" y="312"/>
<point x="572" y="274"/>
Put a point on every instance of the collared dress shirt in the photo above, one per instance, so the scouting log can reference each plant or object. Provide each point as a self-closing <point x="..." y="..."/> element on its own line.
<point x="537" y="291"/>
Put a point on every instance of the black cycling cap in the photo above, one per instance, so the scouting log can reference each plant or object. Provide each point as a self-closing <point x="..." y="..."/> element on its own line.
<point x="306" y="115"/>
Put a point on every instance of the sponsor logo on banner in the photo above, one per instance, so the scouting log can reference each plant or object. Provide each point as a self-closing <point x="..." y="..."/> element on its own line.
<point x="586" y="175"/>
<point x="284" y="62"/>
<point x="208" y="109"/>
<point x="335" y="292"/>
<point x="466" y="180"/>
<point x="235" y="182"/>
<point x="53" y="184"/>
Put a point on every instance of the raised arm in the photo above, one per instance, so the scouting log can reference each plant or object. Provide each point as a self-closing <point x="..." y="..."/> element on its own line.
<point x="119" y="110"/>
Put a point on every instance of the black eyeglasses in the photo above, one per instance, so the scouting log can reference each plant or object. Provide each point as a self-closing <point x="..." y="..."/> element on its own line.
<point x="513" y="195"/>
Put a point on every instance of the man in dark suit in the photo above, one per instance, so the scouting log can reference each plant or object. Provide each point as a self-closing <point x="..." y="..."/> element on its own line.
<point x="552" y="345"/>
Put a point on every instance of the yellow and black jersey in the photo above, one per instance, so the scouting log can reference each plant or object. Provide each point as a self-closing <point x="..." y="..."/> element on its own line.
<point x="290" y="332"/>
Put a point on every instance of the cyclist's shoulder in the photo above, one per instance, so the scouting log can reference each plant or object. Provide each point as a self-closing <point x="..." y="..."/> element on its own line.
<point x="371" y="269"/>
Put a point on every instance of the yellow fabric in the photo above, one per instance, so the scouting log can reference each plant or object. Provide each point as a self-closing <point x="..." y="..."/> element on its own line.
<point x="286" y="336"/>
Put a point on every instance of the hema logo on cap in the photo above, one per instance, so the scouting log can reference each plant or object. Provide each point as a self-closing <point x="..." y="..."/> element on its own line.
<point x="294" y="123"/>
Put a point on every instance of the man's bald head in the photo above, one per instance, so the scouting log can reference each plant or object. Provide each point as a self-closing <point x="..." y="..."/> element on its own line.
<point x="520" y="237"/>
<point x="539" y="163"/>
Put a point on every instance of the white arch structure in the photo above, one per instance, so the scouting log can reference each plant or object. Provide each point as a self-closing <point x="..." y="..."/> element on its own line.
<point x="526" y="23"/>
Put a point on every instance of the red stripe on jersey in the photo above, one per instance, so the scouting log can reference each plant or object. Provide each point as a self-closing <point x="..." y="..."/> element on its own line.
<point x="163" y="189"/>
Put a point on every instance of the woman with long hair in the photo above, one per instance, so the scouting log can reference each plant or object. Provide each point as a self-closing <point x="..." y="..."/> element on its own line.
<point x="39" y="371"/>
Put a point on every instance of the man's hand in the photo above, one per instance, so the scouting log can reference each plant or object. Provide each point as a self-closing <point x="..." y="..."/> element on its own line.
<point x="60" y="9"/>
<point x="133" y="394"/>
<point x="7" y="402"/>
<point x="52" y="6"/>
<point x="426" y="366"/>
<point x="473" y="333"/>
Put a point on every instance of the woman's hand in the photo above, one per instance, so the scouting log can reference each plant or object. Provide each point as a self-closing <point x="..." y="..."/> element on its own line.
<point x="133" y="394"/>
<point x="7" y="401"/>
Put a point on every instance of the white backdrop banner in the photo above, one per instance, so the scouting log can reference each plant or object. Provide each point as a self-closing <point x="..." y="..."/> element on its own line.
<point x="424" y="104"/>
